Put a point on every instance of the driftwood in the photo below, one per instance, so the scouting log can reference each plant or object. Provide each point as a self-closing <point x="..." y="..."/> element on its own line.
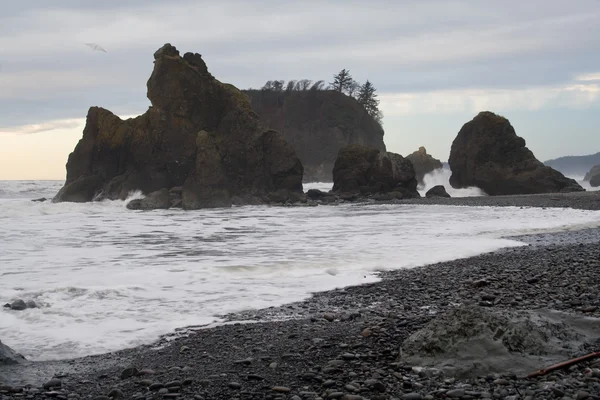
<point x="563" y="364"/>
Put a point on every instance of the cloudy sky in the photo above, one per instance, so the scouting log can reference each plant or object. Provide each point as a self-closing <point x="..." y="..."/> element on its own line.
<point x="435" y="63"/>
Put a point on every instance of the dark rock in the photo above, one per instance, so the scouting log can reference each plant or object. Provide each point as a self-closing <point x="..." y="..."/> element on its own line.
<point x="317" y="124"/>
<point x="592" y="173"/>
<point x="315" y="194"/>
<point x="234" y="385"/>
<point x="40" y="200"/>
<point x="423" y="163"/>
<point x="30" y="304"/>
<point x="18" y="305"/>
<point x="595" y="181"/>
<point x="254" y="377"/>
<point x="488" y="154"/>
<point x="455" y="393"/>
<point x="154" y="201"/>
<point x="173" y="384"/>
<point x="367" y="170"/>
<point x="329" y="317"/>
<point x="281" y="389"/>
<point x="437" y="191"/>
<point x="156" y="386"/>
<point x="199" y="134"/>
<point x="116" y="394"/>
<point x="375" y="384"/>
<point x="52" y="383"/>
<point x="8" y="356"/>
<point x="129" y="372"/>
<point x="412" y="396"/>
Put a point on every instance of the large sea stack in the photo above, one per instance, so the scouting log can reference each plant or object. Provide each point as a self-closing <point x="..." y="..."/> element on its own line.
<point x="595" y="170"/>
<point x="199" y="135"/>
<point x="423" y="163"/>
<point x="317" y="123"/>
<point x="365" y="170"/>
<point x="487" y="153"/>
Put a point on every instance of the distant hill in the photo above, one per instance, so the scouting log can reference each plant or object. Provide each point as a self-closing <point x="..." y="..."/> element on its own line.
<point x="317" y="123"/>
<point x="574" y="165"/>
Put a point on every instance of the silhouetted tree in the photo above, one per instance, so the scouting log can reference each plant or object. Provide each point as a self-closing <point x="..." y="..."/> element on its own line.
<point x="267" y="86"/>
<point x="303" y="84"/>
<point x="318" y="85"/>
<point x="352" y="88"/>
<point x="278" y="85"/>
<point x="342" y="81"/>
<point x="290" y="86"/>
<point x="368" y="99"/>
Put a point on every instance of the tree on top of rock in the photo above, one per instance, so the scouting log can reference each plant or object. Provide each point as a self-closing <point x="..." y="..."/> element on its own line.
<point x="342" y="82"/>
<point x="368" y="99"/>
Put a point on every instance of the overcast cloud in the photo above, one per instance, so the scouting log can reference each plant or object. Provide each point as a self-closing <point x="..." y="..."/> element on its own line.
<point x="425" y="56"/>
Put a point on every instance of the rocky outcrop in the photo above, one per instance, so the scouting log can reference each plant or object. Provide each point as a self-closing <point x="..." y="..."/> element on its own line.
<point x="423" y="163"/>
<point x="595" y="181"/>
<point x="8" y="356"/>
<point x="592" y="173"/>
<point x="487" y="153"/>
<point x="365" y="170"/>
<point x="199" y="134"/>
<point x="317" y="123"/>
<point x="437" y="191"/>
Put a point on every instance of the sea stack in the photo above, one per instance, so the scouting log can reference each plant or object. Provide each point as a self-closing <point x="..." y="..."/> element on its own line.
<point x="365" y="170"/>
<point x="199" y="134"/>
<point x="423" y="163"/>
<point x="488" y="154"/>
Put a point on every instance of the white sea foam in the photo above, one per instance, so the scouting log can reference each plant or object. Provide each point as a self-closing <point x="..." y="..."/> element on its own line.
<point x="108" y="278"/>
<point x="442" y="177"/>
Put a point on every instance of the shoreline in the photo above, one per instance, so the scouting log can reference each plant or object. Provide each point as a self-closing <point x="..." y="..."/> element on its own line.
<point x="277" y="332"/>
<point x="213" y="358"/>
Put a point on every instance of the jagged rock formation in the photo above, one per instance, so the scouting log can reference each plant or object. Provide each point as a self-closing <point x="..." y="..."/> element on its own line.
<point x="199" y="134"/>
<point x="423" y="163"/>
<point x="595" y="181"/>
<point x="437" y="191"/>
<point x="487" y="153"/>
<point x="317" y="123"/>
<point x="592" y="172"/>
<point x="365" y="170"/>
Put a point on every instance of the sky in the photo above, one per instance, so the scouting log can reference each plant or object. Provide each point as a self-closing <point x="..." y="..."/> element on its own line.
<point x="435" y="64"/>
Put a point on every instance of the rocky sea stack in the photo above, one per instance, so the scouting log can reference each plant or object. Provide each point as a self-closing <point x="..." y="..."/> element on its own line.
<point x="423" y="163"/>
<point x="365" y="170"/>
<point x="487" y="153"/>
<point x="317" y="124"/>
<point x="595" y="171"/>
<point x="199" y="134"/>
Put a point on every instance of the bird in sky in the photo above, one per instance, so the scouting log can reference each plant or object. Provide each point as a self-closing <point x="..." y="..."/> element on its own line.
<point x="95" y="47"/>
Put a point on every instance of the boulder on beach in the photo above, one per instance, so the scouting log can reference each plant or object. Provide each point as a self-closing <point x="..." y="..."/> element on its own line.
<point x="595" y="171"/>
<point x="473" y="341"/>
<point x="423" y="163"/>
<point x="488" y="154"/>
<point x="317" y="124"/>
<point x="437" y="191"/>
<point x="366" y="170"/>
<point x="8" y="356"/>
<point x="199" y="134"/>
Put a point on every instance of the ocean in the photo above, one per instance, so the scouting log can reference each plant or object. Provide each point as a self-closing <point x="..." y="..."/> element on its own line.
<point x="107" y="278"/>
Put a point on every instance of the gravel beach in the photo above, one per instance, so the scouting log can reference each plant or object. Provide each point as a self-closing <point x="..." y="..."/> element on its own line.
<point x="347" y="343"/>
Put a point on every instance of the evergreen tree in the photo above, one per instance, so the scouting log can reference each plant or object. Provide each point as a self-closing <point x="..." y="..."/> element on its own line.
<point x="368" y="99"/>
<point x="342" y="81"/>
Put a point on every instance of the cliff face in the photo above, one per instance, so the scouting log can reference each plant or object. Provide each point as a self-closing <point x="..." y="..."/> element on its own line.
<point x="199" y="134"/>
<point x="317" y="124"/>
<point x="487" y="153"/>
